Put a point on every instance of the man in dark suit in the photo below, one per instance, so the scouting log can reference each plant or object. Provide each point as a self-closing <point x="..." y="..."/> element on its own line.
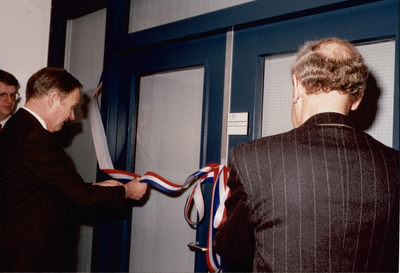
<point x="322" y="197"/>
<point x="8" y="96"/>
<point x="40" y="191"/>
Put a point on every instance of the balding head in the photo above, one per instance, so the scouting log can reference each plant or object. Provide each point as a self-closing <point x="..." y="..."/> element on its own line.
<point x="331" y="64"/>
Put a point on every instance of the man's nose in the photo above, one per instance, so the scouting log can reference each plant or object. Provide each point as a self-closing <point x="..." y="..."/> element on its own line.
<point x="9" y="99"/>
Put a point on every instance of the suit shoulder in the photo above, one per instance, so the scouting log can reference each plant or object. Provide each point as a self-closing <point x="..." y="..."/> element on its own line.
<point x="383" y="147"/>
<point x="263" y="141"/>
<point x="270" y="143"/>
<point x="23" y="120"/>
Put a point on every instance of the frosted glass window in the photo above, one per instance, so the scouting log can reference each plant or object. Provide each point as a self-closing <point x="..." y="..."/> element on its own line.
<point x="277" y="101"/>
<point x="277" y="98"/>
<point x="146" y="14"/>
<point x="168" y="143"/>
<point x="84" y="59"/>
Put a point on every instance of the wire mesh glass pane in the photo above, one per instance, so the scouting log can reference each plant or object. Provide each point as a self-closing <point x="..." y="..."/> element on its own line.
<point x="168" y="143"/>
<point x="277" y="98"/>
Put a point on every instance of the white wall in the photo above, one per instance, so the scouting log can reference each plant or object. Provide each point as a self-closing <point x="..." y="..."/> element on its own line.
<point x="24" y="38"/>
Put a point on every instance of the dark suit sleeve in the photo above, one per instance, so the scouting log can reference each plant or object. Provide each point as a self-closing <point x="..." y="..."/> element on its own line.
<point x="47" y="164"/>
<point x="234" y="241"/>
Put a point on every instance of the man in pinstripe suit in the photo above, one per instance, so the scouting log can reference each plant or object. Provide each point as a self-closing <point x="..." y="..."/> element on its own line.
<point x="322" y="197"/>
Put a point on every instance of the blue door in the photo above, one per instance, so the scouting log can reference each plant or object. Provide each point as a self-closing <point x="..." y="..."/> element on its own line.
<point x="262" y="55"/>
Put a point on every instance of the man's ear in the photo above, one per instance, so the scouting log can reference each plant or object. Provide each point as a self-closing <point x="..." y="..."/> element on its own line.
<point x="296" y="91"/>
<point x="52" y="98"/>
<point x="356" y="103"/>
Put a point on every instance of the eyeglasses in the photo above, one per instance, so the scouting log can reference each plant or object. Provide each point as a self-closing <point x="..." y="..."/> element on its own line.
<point x="13" y="96"/>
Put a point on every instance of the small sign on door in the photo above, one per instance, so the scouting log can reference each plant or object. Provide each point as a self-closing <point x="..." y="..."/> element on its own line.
<point x="238" y="123"/>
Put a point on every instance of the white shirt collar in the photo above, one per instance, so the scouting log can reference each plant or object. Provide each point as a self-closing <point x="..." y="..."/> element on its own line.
<point x="3" y="122"/>
<point x="37" y="117"/>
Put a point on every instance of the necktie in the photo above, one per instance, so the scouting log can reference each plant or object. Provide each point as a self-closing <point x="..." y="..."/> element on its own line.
<point x="0" y="127"/>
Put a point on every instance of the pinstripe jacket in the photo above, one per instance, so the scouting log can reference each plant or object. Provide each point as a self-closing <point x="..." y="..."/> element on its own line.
<point x="319" y="198"/>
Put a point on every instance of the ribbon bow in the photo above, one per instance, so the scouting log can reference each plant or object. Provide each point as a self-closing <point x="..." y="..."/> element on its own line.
<point x="218" y="176"/>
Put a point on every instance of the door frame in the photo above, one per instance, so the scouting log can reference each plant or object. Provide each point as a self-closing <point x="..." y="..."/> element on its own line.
<point x="119" y="43"/>
<point x="126" y="68"/>
<point x="208" y="52"/>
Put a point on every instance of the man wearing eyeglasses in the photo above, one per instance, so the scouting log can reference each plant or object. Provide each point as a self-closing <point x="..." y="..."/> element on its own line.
<point x="8" y="96"/>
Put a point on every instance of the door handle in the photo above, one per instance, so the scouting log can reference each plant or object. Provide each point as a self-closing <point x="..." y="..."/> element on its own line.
<point x="197" y="248"/>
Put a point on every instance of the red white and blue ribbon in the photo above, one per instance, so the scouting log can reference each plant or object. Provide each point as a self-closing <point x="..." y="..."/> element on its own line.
<point x="212" y="173"/>
<point x="218" y="176"/>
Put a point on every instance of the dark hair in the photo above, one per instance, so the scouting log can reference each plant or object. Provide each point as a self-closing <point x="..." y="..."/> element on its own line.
<point x="51" y="78"/>
<point x="8" y="78"/>
<point x="331" y="64"/>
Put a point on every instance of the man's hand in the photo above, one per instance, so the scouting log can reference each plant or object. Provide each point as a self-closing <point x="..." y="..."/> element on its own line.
<point x="134" y="189"/>
<point x="108" y="183"/>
